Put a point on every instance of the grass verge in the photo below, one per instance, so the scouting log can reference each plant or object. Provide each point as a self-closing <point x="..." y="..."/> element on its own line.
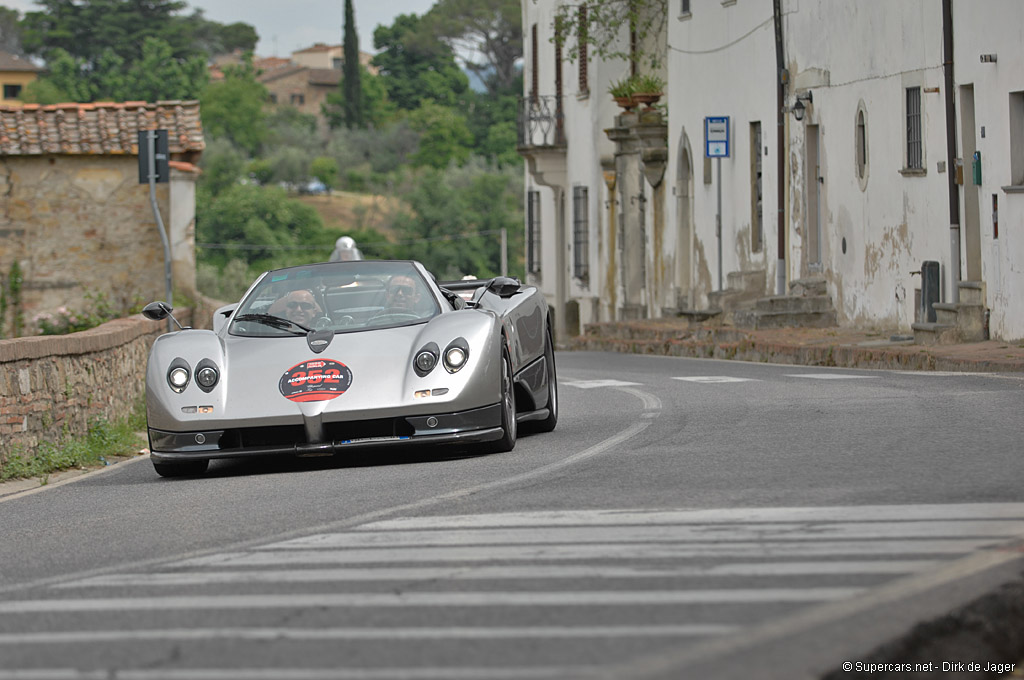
<point x="103" y="439"/>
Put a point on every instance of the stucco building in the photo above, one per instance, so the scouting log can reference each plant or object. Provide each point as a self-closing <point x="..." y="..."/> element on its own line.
<point x="15" y="73"/>
<point x="858" y="150"/>
<point x="73" y="213"/>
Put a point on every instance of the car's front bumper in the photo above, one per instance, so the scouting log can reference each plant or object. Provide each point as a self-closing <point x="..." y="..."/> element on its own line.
<point x="463" y="427"/>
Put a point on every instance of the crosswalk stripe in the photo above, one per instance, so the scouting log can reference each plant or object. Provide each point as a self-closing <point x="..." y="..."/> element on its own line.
<point x="417" y="673"/>
<point x="660" y="533"/>
<point x="617" y="551"/>
<point x="625" y="517"/>
<point x="382" y="633"/>
<point x="430" y="599"/>
<point x="505" y="572"/>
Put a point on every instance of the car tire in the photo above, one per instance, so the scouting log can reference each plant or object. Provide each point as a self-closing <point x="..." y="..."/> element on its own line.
<point x="508" y="409"/>
<point x="548" y="424"/>
<point x="191" y="468"/>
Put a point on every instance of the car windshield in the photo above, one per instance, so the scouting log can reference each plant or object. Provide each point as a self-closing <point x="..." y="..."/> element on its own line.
<point x="339" y="296"/>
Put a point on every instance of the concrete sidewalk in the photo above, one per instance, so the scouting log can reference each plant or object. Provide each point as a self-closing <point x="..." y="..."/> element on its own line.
<point x="843" y="347"/>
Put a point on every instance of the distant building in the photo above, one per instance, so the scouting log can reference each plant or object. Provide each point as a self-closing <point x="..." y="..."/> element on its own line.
<point x="15" y="74"/>
<point x="304" y="80"/>
<point x="73" y="213"/>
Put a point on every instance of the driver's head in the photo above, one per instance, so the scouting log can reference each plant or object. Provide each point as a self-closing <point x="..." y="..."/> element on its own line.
<point x="299" y="306"/>
<point x="403" y="293"/>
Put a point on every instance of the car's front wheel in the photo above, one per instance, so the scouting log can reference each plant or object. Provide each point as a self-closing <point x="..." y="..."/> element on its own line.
<point x="190" y="468"/>
<point x="508" y="409"/>
<point x="548" y="424"/>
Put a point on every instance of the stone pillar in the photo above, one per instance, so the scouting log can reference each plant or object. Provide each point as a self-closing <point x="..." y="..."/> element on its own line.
<point x="640" y="155"/>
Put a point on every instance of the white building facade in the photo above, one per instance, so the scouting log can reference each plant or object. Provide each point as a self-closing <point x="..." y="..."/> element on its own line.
<point x="846" y="146"/>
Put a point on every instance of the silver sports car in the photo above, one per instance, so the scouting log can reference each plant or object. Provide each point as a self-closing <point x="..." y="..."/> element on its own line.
<point x="326" y="358"/>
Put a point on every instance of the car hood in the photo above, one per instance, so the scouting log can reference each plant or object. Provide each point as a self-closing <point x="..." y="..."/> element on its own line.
<point x="360" y="375"/>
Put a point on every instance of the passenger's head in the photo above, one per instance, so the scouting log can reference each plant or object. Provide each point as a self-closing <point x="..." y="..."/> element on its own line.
<point x="404" y="293"/>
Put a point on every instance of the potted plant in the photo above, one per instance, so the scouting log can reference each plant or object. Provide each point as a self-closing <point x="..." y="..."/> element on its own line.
<point x="648" y="89"/>
<point x="622" y="92"/>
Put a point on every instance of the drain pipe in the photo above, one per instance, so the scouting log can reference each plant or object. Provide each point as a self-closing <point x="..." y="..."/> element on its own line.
<point x="780" y="114"/>
<point x="954" y="191"/>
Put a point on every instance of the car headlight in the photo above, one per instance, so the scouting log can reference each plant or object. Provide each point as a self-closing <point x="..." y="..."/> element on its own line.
<point x="178" y="375"/>
<point x="426" y="359"/>
<point x="207" y="375"/>
<point x="456" y="354"/>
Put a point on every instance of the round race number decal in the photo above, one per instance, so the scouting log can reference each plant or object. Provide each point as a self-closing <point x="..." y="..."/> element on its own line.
<point x="315" y="380"/>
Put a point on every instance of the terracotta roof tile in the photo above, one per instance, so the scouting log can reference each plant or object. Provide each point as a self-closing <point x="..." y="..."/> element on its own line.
<point x="12" y="62"/>
<point x="98" y="127"/>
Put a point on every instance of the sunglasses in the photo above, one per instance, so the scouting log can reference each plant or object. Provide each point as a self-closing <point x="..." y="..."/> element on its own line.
<point x="305" y="306"/>
<point x="404" y="290"/>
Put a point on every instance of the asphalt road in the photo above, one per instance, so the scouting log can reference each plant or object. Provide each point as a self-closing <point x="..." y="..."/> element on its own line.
<point x="688" y="518"/>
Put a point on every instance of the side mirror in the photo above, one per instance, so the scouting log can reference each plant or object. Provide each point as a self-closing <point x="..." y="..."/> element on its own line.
<point x="503" y="286"/>
<point x="156" y="311"/>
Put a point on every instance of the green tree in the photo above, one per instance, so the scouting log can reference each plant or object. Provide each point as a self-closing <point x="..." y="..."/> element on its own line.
<point x="606" y="22"/>
<point x="352" y="91"/>
<point x="444" y="135"/>
<point x="251" y="215"/>
<point x="378" y="110"/>
<point x="325" y="169"/>
<point x="416" y="66"/>
<point x="157" y="75"/>
<point x="233" y="108"/>
<point x="490" y="29"/>
<point x="222" y="165"/>
<point x="10" y="30"/>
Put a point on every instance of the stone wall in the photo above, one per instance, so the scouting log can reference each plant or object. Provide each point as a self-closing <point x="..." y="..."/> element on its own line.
<point x="55" y="386"/>
<point x="83" y="225"/>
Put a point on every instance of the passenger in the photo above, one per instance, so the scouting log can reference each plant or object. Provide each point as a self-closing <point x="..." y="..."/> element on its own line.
<point x="403" y="295"/>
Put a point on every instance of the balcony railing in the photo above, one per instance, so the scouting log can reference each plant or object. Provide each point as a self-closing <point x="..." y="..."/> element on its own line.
<point x="541" y="122"/>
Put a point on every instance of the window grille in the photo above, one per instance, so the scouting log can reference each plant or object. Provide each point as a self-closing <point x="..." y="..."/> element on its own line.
<point x="914" y="155"/>
<point x="756" y="189"/>
<point x="584" y="86"/>
<point x="533" y="232"/>
<point x="580" y="234"/>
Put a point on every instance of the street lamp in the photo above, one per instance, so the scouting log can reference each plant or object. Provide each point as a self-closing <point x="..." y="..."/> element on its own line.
<point x="798" y="108"/>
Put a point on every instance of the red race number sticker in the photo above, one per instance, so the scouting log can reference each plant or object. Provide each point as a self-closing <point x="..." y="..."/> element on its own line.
<point x="315" y="380"/>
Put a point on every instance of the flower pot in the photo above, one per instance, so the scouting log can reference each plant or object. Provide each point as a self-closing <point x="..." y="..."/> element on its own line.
<point x="647" y="98"/>
<point x="627" y="102"/>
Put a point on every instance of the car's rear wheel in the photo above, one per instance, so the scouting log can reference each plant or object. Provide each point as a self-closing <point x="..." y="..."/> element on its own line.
<point x="508" y="409"/>
<point x="548" y="424"/>
<point x="190" y="468"/>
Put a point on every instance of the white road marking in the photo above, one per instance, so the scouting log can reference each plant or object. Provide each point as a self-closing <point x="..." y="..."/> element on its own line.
<point x="829" y="376"/>
<point x="715" y="379"/>
<point x="805" y="531"/>
<point x="382" y="633"/>
<point x="488" y="573"/>
<point x="429" y="599"/>
<point x="592" y="384"/>
<point x="634" y="516"/>
<point x="417" y="673"/>
<point x="612" y="551"/>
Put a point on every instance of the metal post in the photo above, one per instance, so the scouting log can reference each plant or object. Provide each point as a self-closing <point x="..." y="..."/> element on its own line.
<point x="151" y="146"/>
<point x="504" y="252"/>
<point x="718" y="221"/>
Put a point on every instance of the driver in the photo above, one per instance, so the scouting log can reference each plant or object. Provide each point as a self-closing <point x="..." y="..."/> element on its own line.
<point x="403" y="295"/>
<point x="298" y="306"/>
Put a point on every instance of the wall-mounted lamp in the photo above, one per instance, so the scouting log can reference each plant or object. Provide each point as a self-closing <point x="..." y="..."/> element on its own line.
<point x="988" y="59"/>
<point x="798" y="108"/>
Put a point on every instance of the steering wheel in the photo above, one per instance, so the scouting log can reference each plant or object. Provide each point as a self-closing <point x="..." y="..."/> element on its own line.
<point x="393" y="317"/>
<point x="346" y="320"/>
<point x="322" y="322"/>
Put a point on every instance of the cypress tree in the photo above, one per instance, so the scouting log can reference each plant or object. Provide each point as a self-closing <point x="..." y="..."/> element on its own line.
<point x="352" y="90"/>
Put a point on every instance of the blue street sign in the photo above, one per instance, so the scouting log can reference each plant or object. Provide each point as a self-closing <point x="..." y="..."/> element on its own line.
<point x="716" y="136"/>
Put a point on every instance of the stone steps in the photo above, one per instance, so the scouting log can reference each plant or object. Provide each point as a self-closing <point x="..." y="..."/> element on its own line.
<point x="957" y="322"/>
